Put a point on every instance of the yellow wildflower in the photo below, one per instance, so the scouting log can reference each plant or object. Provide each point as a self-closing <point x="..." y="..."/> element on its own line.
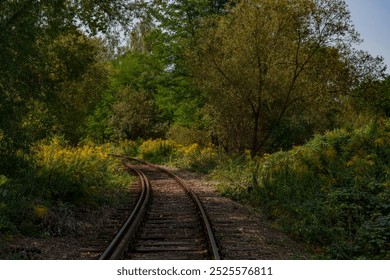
<point x="330" y="153"/>
<point x="381" y="142"/>
<point x="352" y="161"/>
<point x="41" y="211"/>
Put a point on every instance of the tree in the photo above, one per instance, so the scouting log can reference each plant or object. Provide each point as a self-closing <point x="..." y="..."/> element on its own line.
<point x="135" y="77"/>
<point x="28" y="25"/>
<point x="373" y="98"/>
<point x="134" y="115"/>
<point x="179" y="21"/>
<point x="270" y="63"/>
<point x="81" y="75"/>
<point x="177" y="96"/>
<point x="28" y="28"/>
<point x="147" y="67"/>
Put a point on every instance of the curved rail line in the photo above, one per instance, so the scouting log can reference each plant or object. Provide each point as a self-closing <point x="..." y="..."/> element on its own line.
<point x="120" y="242"/>
<point x="117" y="246"/>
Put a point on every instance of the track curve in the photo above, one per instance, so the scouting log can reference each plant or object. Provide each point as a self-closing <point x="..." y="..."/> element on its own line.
<point x="169" y="221"/>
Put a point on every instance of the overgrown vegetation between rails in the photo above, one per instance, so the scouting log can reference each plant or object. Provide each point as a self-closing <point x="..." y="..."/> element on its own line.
<point x="333" y="191"/>
<point x="61" y="181"/>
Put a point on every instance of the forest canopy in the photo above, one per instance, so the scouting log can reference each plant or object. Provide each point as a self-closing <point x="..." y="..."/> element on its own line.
<point x="252" y="75"/>
<point x="273" y="93"/>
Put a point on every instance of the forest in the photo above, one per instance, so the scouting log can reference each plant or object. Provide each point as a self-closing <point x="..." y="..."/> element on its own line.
<point x="272" y="99"/>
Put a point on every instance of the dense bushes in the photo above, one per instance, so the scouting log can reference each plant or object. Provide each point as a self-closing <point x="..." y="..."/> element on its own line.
<point x="193" y="156"/>
<point x="334" y="191"/>
<point x="76" y="174"/>
<point x="64" y="178"/>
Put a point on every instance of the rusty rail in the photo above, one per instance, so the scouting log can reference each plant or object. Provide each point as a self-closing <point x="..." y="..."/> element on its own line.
<point x="117" y="246"/>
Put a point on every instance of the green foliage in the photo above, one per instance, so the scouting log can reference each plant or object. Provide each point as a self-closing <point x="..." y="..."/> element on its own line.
<point x="158" y="151"/>
<point x="127" y="109"/>
<point x="333" y="191"/>
<point x="192" y="157"/>
<point x="64" y="178"/>
<point x="134" y="116"/>
<point x="373" y="98"/>
<point x="180" y="20"/>
<point x="127" y="147"/>
<point x="266" y="64"/>
<point x="195" y="157"/>
<point x="186" y="136"/>
<point x="235" y="176"/>
<point x="14" y="158"/>
<point x="44" y="57"/>
<point x="179" y="100"/>
<point x="97" y="127"/>
<point x="76" y="174"/>
<point x="144" y="98"/>
<point x="81" y="76"/>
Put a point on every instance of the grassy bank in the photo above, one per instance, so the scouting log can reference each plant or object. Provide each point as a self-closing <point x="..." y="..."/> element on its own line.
<point x="333" y="192"/>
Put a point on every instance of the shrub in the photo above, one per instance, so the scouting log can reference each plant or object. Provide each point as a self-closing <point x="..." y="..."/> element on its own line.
<point x="76" y="174"/>
<point x="158" y="150"/>
<point x="193" y="156"/>
<point x="235" y="176"/>
<point x="197" y="158"/>
<point x="187" y="136"/>
<point x="127" y="147"/>
<point x="64" y="179"/>
<point x="333" y="191"/>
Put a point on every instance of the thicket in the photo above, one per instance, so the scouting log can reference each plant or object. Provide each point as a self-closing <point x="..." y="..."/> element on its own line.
<point x="192" y="157"/>
<point x="61" y="181"/>
<point x="333" y="191"/>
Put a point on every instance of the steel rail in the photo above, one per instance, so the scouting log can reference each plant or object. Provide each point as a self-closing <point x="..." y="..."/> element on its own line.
<point x="117" y="246"/>
<point x="205" y="220"/>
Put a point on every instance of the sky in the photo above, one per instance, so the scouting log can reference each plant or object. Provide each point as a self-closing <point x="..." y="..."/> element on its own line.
<point x="372" y="20"/>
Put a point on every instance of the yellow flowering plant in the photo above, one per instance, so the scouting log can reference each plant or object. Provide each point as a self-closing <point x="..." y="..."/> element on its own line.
<point x="77" y="174"/>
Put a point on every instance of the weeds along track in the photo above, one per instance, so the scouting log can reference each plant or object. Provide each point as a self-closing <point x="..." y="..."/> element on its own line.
<point x="168" y="221"/>
<point x="160" y="217"/>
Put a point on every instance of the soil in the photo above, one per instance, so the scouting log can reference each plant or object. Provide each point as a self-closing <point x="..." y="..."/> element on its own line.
<point x="254" y="236"/>
<point x="66" y="247"/>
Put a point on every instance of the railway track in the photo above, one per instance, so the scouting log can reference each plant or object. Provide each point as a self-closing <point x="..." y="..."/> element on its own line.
<point x="168" y="221"/>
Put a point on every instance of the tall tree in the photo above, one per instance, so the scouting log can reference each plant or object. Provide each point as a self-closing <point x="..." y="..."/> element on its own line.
<point x="179" y="21"/>
<point x="27" y="28"/>
<point x="269" y="62"/>
<point x="134" y="115"/>
<point x="81" y="75"/>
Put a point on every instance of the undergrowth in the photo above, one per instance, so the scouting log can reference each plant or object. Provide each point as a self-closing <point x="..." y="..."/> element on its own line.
<point x="63" y="180"/>
<point x="333" y="192"/>
<point x="192" y="157"/>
